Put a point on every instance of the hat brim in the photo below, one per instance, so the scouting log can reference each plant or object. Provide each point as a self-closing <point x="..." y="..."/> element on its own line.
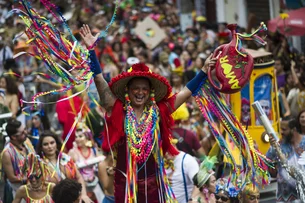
<point x="159" y="84"/>
<point x="205" y="179"/>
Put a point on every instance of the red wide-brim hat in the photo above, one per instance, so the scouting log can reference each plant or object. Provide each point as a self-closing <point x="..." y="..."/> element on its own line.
<point x="159" y="83"/>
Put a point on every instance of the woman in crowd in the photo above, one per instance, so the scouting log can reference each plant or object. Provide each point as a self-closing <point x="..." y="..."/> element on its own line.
<point x="37" y="190"/>
<point x="82" y="152"/>
<point x="40" y="123"/>
<point x="11" y="94"/>
<point x="206" y="182"/>
<point x="48" y="149"/>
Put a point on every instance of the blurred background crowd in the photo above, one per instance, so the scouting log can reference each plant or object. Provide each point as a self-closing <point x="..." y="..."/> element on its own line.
<point x="193" y="29"/>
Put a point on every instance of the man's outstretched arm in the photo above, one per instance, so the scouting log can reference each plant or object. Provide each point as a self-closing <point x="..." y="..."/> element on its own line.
<point x="105" y="94"/>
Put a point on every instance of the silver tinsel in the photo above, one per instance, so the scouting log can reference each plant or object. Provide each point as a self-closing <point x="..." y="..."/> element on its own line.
<point x="299" y="176"/>
<point x="294" y="172"/>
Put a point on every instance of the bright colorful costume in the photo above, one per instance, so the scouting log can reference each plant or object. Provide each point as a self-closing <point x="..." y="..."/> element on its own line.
<point x="140" y="145"/>
<point x="46" y="199"/>
<point x="18" y="160"/>
<point x="36" y="168"/>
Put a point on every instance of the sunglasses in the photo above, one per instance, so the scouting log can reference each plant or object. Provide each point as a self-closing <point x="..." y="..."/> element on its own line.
<point x="224" y="199"/>
<point x="31" y="177"/>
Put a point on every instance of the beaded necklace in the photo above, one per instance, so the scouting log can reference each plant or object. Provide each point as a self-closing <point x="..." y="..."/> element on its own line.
<point x="140" y="134"/>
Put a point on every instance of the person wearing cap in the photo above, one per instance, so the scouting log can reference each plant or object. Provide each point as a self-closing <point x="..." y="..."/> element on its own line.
<point x="205" y="181"/>
<point x="139" y="106"/>
<point x="181" y="170"/>
<point x="164" y="66"/>
<point x="187" y="140"/>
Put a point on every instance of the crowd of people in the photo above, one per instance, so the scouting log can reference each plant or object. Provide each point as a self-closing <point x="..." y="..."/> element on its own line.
<point x="96" y="166"/>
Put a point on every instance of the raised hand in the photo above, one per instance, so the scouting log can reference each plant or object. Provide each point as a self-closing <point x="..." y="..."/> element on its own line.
<point x="209" y="62"/>
<point x="87" y="36"/>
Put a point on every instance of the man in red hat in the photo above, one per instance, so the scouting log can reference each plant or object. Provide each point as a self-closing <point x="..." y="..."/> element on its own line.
<point x="138" y="131"/>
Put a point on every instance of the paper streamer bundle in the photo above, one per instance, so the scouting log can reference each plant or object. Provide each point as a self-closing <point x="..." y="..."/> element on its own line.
<point x="61" y="54"/>
<point x="254" y="165"/>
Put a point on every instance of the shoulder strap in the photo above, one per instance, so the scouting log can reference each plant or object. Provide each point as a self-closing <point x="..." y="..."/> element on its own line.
<point x="184" y="181"/>
<point x="48" y="190"/>
<point x="26" y="190"/>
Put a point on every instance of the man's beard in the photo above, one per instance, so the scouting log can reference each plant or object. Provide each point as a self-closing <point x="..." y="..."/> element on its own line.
<point x="288" y="138"/>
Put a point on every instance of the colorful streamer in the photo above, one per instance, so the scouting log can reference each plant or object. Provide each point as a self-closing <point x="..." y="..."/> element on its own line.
<point x="248" y="37"/>
<point x="61" y="56"/>
<point x="254" y="165"/>
<point x="61" y="53"/>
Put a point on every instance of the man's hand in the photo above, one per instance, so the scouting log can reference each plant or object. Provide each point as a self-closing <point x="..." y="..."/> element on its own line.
<point x="87" y="36"/>
<point x="272" y="141"/>
<point x="209" y="62"/>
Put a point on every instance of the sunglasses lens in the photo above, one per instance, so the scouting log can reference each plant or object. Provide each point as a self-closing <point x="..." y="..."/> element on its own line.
<point x="224" y="199"/>
<point x="31" y="177"/>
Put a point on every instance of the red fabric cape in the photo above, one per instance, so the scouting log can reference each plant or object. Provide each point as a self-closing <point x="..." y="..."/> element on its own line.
<point x="115" y="125"/>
